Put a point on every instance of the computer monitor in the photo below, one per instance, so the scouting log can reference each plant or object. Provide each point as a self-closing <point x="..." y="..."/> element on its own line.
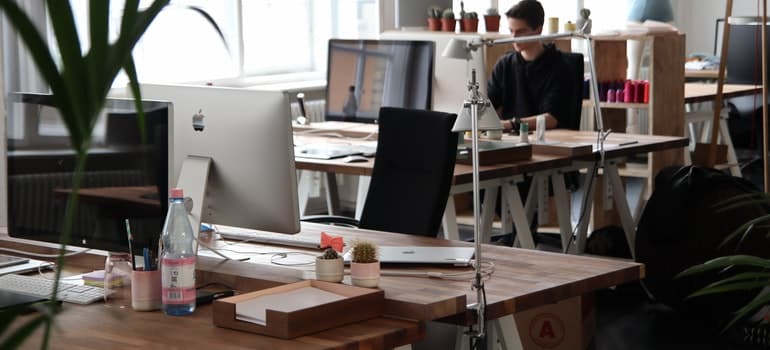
<point x="744" y="53"/>
<point x="124" y="178"/>
<point x="364" y="75"/>
<point x="247" y="134"/>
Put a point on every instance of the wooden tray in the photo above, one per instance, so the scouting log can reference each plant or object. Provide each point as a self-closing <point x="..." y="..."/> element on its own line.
<point x="494" y="152"/>
<point x="359" y="304"/>
<point x="567" y="149"/>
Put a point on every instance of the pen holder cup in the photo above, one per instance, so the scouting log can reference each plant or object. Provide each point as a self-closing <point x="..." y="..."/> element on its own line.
<point x="145" y="290"/>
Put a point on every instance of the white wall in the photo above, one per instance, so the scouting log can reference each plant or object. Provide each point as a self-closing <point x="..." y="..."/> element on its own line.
<point x="697" y="19"/>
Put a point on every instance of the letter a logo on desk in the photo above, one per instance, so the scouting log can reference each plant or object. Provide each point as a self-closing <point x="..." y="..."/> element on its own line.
<point x="197" y="120"/>
<point x="547" y="330"/>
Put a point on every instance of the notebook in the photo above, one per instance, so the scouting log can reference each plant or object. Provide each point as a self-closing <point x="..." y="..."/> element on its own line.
<point x="458" y="256"/>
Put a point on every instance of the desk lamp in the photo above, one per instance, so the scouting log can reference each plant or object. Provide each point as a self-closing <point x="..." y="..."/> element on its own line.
<point x="477" y="114"/>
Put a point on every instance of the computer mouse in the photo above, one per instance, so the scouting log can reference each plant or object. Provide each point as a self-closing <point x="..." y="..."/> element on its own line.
<point x="354" y="159"/>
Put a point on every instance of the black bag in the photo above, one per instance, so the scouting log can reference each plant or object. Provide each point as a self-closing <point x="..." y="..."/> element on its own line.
<point x="680" y="227"/>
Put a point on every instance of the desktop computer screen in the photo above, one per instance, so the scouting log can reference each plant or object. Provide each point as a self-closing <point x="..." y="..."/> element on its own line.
<point x="247" y="134"/>
<point x="364" y="75"/>
<point x="124" y="177"/>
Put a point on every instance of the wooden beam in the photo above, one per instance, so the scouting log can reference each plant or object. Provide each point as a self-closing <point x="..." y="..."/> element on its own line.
<point x="711" y="158"/>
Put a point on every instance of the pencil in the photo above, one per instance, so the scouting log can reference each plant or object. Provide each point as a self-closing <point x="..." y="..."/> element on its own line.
<point x="130" y="244"/>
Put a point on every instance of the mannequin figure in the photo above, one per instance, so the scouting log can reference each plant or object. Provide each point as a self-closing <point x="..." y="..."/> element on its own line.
<point x="640" y="11"/>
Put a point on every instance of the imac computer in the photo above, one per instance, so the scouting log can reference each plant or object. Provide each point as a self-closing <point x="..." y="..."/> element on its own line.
<point x="247" y="136"/>
<point x="124" y="178"/>
<point x="364" y="75"/>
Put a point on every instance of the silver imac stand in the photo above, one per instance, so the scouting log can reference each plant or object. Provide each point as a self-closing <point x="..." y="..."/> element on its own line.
<point x="193" y="179"/>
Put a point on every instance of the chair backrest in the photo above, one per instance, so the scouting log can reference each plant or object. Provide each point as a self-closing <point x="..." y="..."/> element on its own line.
<point x="575" y="62"/>
<point x="413" y="170"/>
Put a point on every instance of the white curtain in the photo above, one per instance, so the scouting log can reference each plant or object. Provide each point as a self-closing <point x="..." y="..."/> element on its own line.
<point x="18" y="69"/>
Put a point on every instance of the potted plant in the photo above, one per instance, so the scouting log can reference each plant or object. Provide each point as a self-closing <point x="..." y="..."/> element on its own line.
<point x="583" y="22"/>
<point x="365" y="265"/>
<point x="448" y="20"/>
<point x="470" y="22"/>
<point x="462" y="15"/>
<point x="434" y="18"/>
<point x="329" y="266"/>
<point x="79" y="83"/>
<point x="492" y="20"/>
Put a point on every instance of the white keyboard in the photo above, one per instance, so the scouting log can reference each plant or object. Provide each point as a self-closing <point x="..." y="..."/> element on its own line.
<point x="238" y="234"/>
<point x="43" y="287"/>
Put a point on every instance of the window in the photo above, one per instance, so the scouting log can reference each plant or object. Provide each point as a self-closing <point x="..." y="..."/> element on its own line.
<point x="265" y="37"/>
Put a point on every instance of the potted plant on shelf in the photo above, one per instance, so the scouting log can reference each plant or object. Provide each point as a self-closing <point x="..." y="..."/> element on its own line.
<point x="79" y="83"/>
<point x="365" y="265"/>
<point x="470" y="22"/>
<point x="448" y="20"/>
<point x="492" y="20"/>
<point x="434" y="18"/>
<point x="329" y="267"/>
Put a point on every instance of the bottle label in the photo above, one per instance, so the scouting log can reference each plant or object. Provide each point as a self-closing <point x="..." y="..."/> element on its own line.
<point x="178" y="280"/>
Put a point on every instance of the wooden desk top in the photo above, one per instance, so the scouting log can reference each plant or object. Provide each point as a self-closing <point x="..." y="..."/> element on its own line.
<point x="523" y="278"/>
<point x="703" y="92"/>
<point x="99" y="326"/>
<point x="618" y="144"/>
<point x="701" y="73"/>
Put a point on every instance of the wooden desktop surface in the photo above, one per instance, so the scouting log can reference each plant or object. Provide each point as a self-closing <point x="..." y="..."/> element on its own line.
<point x="99" y="326"/>
<point x="523" y="279"/>
<point x="704" y="92"/>
<point x="711" y="74"/>
<point x="619" y="144"/>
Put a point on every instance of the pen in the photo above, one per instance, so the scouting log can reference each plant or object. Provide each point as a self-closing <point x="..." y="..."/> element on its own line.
<point x="130" y="244"/>
<point x="146" y="254"/>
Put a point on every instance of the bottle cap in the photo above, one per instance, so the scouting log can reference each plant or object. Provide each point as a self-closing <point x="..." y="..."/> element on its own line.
<point x="176" y="193"/>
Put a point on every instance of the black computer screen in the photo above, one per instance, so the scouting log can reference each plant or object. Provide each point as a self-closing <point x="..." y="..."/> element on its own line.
<point x="124" y="177"/>
<point x="364" y="75"/>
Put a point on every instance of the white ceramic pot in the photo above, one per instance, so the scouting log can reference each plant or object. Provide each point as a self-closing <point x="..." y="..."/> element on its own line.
<point x="329" y="270"/>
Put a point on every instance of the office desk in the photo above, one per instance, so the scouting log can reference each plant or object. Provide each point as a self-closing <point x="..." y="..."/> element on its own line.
<point x="707" y="74"/>
<point x="616" y="148"/>
<point x="491" y="177"/>
<point x="98" y="326"/>
<point x="701" y="92"/>
<point x="523" y="279"/>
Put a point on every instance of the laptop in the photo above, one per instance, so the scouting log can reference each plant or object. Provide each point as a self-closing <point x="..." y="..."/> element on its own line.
<point x="325" y="150"/>
<point x="457" y="256"/>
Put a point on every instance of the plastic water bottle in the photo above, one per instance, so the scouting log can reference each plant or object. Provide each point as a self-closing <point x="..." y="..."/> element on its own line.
<point x="177" y="262"/>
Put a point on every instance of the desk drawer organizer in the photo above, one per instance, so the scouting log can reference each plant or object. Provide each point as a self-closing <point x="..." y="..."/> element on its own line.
<point x="354" y="304"/>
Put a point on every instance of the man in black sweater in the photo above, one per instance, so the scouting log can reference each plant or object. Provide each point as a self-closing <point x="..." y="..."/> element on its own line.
<point x="534" y="79"/>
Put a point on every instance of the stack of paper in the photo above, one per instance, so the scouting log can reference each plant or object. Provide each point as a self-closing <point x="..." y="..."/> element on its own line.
<point x="254" y="310"/>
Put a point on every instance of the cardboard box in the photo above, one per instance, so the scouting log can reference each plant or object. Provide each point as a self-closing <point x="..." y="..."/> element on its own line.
<point x="567" y="325"/>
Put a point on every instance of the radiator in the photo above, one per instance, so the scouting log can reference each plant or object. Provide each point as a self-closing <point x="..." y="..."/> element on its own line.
<point x="314" y="109"/>
<point x="34" y="208"/>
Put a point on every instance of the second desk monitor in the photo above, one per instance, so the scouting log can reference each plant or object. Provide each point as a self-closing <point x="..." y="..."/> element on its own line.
<point x="364" y="75"/>
<point x="247" y="133"/>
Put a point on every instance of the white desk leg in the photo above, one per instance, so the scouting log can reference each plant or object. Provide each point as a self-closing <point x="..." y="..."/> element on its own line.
<point x="332" y="196"/>
<point x="732" y="159"/>
<point x="507" y="333"/>
<point x="304" y="188"/>
<point x="540" y="181"/>
<point x="363" y="189"/>
<point x="488" y="212"/>
<point x="619" y="193"/>
<point x="589" y="186"/>
<point x="449" y="220"/>
<point x="523" y="233"/>
<point x="562" y="209"/>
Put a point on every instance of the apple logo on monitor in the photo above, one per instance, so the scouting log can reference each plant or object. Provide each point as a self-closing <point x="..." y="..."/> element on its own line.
<point x="197" y="120"/>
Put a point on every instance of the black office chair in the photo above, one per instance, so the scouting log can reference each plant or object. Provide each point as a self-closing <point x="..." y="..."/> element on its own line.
<point x="576" y="64"/>
<point x="413" y="169"/>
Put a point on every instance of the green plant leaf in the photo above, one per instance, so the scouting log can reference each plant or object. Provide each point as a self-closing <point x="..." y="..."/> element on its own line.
<point x="760" y="300"/>
<point x="98" y="21"/>
<point x="752" y="275"/>
<point x="133" y="83"/>
<point x="731" y="287"/>
<point x="725" y="261"/>
<point x="212" y="22"/>
<point x="15" y="340"/>
<point x="745" y="229"/>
